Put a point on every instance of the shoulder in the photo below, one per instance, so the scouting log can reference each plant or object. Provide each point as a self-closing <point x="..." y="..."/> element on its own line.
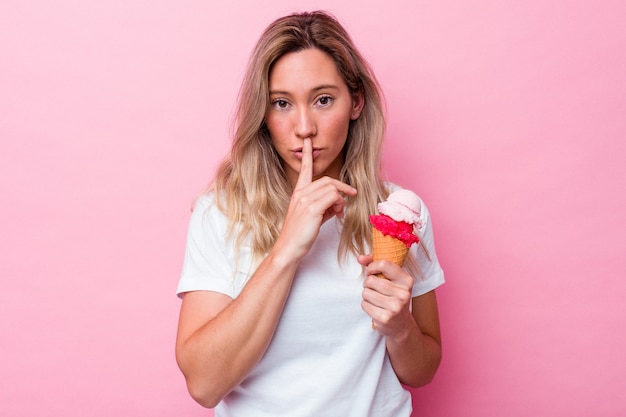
<point x="204" y="201"/>
<point x="209" y="201"/>
<point x="206" y="213"/>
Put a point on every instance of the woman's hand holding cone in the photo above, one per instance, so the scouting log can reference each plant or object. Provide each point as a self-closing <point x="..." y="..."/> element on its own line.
<point x="386" y="301"/>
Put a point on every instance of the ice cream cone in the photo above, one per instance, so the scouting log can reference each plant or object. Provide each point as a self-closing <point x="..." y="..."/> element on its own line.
<point x="388" y="248"/>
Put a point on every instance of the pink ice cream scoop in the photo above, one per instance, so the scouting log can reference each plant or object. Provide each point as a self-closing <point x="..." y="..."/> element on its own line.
<point x="399" y="215"/>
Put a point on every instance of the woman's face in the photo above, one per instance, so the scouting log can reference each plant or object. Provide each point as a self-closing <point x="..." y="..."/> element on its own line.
<point x="309" y="99"/>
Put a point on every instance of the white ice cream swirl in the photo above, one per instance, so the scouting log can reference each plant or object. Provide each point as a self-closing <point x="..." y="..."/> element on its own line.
<point x="402" y="206"/>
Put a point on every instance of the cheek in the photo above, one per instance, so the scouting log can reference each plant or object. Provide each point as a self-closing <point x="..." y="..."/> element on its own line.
<point x="338" y="125"/>
<point x="276" y="127"/>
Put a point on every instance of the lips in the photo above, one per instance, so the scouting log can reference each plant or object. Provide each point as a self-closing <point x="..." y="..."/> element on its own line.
<point x="298" y="152"/>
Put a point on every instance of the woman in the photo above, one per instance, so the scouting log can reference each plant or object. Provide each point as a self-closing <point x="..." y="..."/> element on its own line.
<point x="277" y="296"/>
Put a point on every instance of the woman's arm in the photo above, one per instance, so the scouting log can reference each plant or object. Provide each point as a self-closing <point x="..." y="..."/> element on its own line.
<point x="416" y="353"/>
<point x="410" y="325"/>
<point x="220" y="340"/>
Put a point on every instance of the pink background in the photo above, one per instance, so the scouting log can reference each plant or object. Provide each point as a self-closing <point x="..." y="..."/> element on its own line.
<point x="507" y="117"/>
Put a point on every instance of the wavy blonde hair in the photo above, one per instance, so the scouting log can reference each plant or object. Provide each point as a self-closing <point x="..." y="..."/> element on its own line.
<point x="251" y="187"/>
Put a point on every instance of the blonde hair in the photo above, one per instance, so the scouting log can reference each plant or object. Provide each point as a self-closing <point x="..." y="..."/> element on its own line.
<point x="251" y="188"/>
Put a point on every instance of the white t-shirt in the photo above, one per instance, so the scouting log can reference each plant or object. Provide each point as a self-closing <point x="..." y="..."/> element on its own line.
<point x="324" y="359"/>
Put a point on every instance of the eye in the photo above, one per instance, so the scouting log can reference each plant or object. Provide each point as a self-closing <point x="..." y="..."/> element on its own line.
<point x="325" y="101"/>
<point x="280" y="104"/>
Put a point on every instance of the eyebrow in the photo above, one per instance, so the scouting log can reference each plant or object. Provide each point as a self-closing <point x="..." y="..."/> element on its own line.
<point x="315" y="89"/>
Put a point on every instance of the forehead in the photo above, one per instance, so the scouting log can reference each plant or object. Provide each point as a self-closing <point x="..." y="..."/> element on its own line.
<point x="304" y="70"/>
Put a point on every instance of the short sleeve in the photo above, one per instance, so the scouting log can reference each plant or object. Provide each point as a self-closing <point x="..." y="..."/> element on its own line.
<point x="208" y="261"/>
<point x="427" y="257"/>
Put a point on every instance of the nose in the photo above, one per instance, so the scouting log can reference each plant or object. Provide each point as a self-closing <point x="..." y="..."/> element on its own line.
<point x="305" y="126"/>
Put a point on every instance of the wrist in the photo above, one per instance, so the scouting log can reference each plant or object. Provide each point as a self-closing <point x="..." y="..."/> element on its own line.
<point x="405" y="333"/>
<point x="282" y="260"/>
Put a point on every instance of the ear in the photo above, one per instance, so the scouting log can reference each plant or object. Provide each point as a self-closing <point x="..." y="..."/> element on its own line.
<point x="358" y="102"/>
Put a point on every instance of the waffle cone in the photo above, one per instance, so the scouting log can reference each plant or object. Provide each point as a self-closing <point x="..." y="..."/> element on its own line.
<point x="388" y="248"/>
